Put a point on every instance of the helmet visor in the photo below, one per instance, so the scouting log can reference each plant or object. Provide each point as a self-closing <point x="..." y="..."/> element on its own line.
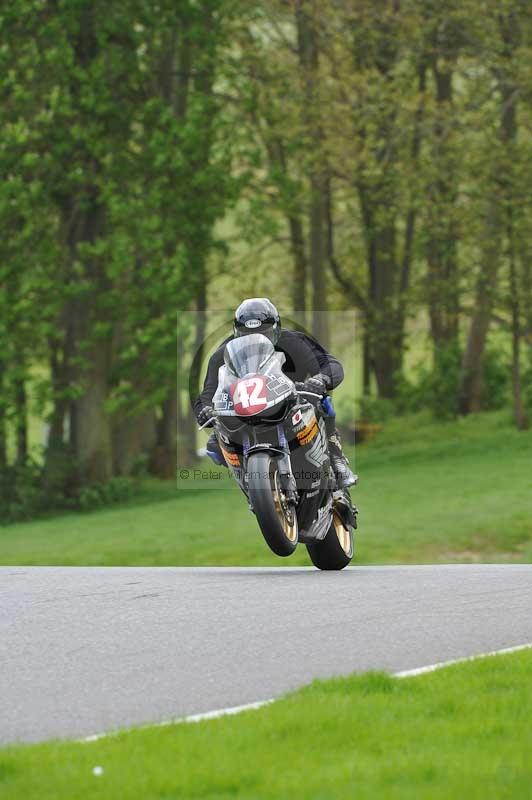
<point x="268" y="329"/>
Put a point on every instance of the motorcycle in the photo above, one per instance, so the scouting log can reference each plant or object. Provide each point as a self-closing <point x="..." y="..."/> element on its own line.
<point x="274" y="442"/>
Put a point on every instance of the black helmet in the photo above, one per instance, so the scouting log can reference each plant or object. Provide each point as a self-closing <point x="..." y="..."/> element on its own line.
<point x="258" y="315"/>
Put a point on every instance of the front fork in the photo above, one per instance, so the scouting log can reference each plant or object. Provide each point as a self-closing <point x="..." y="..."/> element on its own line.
<point x="288" y="482"/>
<point x="285" y="469"/>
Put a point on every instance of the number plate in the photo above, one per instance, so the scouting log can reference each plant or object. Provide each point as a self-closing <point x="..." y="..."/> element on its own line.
<point x="249" y="396"/>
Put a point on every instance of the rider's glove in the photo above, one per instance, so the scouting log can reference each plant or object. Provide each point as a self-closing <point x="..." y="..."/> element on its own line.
<point x="317" y="384"/>
<point x="206" y="413"/>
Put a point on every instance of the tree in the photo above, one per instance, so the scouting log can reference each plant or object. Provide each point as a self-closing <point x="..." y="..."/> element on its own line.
<point x="119" y="129"/>
<point x="505" y="32"/>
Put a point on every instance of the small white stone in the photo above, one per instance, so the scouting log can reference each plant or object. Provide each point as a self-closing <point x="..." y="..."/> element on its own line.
<point x="97" y="771"/>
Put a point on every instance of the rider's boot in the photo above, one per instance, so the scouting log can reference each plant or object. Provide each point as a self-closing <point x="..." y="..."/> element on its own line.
<point x="345" y="477"/>
<point x="214" y="451"/>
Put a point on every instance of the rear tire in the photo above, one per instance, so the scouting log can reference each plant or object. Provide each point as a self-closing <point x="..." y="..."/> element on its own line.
<point x="336" y="550"/>
<point x="277" y="521"/>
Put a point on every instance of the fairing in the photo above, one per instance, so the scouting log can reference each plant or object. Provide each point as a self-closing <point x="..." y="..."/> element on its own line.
<point x="253" y="360"/>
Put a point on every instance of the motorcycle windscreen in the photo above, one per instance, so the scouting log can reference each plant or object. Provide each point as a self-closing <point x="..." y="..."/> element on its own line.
<point x="252" y="354"/>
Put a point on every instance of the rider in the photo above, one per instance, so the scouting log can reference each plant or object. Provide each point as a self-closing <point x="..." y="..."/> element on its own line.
<point x="307" y="363"/>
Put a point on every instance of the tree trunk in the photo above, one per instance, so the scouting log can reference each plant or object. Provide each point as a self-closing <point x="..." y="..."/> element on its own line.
<point x="309" y="63"/>
<point x="320" y="327"/>
<point x="21" y="417"/>
<point x="299" y="274"/>
<point x="525" y="262"/>
<point x="366" y="364"/>
<point x="471" y="382"/>
<point x="134" y="438"/>
<point x="147" y="427"/>
<point x="279" y="169"/>
<point x="92" y="428"/>
<point x="278" y="164"/>
<point x="3" y="429"/>
<point x="521" y="417"/>
<point x="165" y="462"/>
<point x="56" y="433"/>
<point x="379" y="193"/>
<point x="472" y="362"/>
<point x="441" y="241"/>
<point x="187" y="390"/>
<point x="56" y="446"/>
<point x="199" y="350"/>
<point x="384" y="318"/>
<point x="83" y="222"/>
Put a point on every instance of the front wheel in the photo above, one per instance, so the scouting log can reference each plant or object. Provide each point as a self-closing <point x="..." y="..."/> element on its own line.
<point x="277" y="519"/>
<point x="335" y="551"/>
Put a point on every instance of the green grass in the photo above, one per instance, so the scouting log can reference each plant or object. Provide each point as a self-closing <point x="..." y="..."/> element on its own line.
<point x="459" y="491"/>
<point x="460" y="732"/>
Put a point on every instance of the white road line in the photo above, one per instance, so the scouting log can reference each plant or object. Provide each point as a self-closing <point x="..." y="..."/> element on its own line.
<point x="221" y="712"/>
<point x="226" y="712"/>
<point x="410" y="673"/>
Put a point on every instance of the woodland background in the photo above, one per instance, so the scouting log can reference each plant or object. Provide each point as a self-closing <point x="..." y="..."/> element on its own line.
<point x="162" y="160"/>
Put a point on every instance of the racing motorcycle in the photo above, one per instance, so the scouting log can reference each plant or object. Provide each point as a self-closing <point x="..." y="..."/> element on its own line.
<point x="273" y="440"/>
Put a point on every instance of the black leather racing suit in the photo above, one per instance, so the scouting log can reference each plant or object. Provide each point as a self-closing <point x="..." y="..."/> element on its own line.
<point x="304" y="358"/>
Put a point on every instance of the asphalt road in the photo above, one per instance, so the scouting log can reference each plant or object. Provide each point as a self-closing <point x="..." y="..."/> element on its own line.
<point x="85" y="650"/>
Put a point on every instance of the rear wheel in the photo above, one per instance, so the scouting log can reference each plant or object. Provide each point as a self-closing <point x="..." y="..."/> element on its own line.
<point x="336" y="550"/>
<point x="276" y="517"/>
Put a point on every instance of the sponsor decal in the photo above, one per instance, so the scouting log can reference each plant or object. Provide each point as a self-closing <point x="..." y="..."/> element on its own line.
<point x="277" y="385"/>
<point x="315" y="453"/>
<point x="231" y="458"/>
<point x="308" y="433"/>
<point x="253" y="323"/>
<point x="223" y="403"/>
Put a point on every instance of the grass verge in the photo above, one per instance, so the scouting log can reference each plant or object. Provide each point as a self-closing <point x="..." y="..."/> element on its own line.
<point x="463" y="731"/>
<point x="457" y="491"/>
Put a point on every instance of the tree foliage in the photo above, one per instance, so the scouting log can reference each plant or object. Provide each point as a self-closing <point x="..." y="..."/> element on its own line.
<point x="382" y="146"/>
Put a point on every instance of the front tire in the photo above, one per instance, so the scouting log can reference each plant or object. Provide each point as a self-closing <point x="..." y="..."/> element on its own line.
<point x="336" y="550"/>
<point x="277" y="520"/>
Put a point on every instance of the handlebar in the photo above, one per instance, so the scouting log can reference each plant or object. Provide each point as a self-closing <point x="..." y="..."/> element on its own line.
<point x="309" y="394"/>
<point x="206" y="423"/>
